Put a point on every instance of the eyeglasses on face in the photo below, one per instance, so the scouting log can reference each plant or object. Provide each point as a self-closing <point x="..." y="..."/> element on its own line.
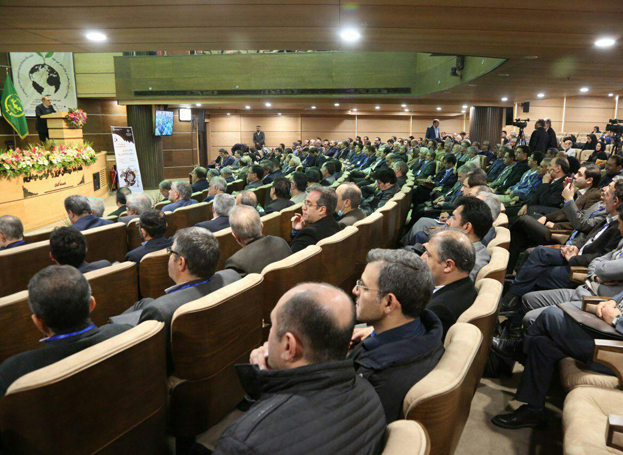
<point x="359" y="285"/>
<point x="170" y="250"/>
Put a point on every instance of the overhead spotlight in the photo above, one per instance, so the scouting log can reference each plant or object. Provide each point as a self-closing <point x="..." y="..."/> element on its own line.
<point x="350" y="35"/>
<point x="313" y="107"/>
<point x="610" y="95"/>
<point x="605" y="42"/>
<point x="228" y="113"/>
<point x="247" y="107"/>
<point x="438" y="108"/>
<point x="464" y="106"/>
<point x="198" y="104"/>
<point x="504" y="99"/>
<point x="336" y="104"/>
<point x="377" y="107"/>
<point x="403" y="105"/>
<point x="268" y="104"/>
<point x="96" y="36"/>
<point x="541" y="95"/>
<point x="406" y="110"/>
<point x="463" y="111"/>
<point x="278" y="113"/>
<point x="354" y="110"/>
<point x="584" y="89"/>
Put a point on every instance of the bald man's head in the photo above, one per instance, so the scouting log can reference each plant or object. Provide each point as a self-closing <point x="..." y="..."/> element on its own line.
<point x="450" y="255"/>
<point x="245" y="223"/>
<point x="318" y="319"/>
<point x="247" y="198"/>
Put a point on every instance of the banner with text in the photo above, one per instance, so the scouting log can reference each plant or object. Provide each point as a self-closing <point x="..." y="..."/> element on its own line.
<point x="127" y="162"/>
<point x="36" y="74"/>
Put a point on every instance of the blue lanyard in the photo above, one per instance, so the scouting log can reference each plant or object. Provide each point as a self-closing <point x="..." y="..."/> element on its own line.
<point x="68" y="335"/>
<point x="190" y="286"/>
<point x="19" y="242"/>
<point x="575" y="233"/>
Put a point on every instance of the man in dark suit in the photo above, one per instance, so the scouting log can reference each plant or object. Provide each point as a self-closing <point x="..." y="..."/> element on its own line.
<point x="11" y="232"/>
<point x="432" y="132"/>
<point x="316" y="222"/>
<point x="386" y="184"/>
<point x="152" y="226"/>
<point x="254" y="177"/>
<point x="192" y="266"/>
<point x="136" y="205"/>
<point x="279" y="195"/>
<point x="222" y="205"/>
<point x="274" y="170"/>
<point x="518" y="166"/>
<point x="430" y="165"/>
<point x="257" y="250"/>
<point x="553" y="140"/>
<point x="180" y="196"/>
<point x="79" y="213"/>
<point x="348" y="200"/>
<point x="121" y="201"/>
<point x="200" y="182"/>
<point x="60" y="299"/>
<point x="41" y="124"/>
<point x="539" y="139"/>
<point x="259" y="139"/>
<point x="450" y="255"/>
<point x="69" y="247"/>
<point x="444" y="180"/>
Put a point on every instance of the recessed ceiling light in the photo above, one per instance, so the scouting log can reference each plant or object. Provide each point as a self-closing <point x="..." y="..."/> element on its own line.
<point x="541" y="95"/>
<point x="463" y="112"/>
<point x="531" y="57"/>
<point x="377" y="107"/>
<point x="228" y="113"/>
<point x="611" y="94"/>
<point x="313" y="107"/>
<point x="336" y="104"/>
<point x="278" y="113"/>
<point x="503" y="75"/>
<point x="355" y="110"/>
<point x="350" y="35"/>
<point x="403" y="105"/>
<point x="198" y="104"/>
<point x="268" y="104"/>
<point x="247" y="107"/>
<point x="605" y="42"/>
<point x="504" y="99"/>
<point x="584" y="89"/>
<point x="438" y="108"/>
<point x="406" y="110"/>
<point x="464" y="106"/>
<point x="96" y="36"/>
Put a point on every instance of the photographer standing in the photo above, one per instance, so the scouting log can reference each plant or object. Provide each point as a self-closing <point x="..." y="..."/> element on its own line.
<point x="539" y="139"/>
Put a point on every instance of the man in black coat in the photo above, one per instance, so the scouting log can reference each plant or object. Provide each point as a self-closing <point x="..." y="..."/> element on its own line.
<point x="303" y="386"/>
<point x="553" y="140"/>
<point x="539" y="139"/>
<point x="259" y="139"/>
<point x="222" y="205"/>
<point x="257" y="250"/>
<point x="69" y="247"/>
<point x="279" y="195"/>
<point x="79" y="213"/>
<point x="11" y="232"/>
<point x="403" y="342"/>
<point x="317" y="221"/>
<point x="152" y="226"/>
<point x="450" y="255"/>
<point x="61" y="302"/>
<point x="41" y="124"/>
<point x="386" y="183"/>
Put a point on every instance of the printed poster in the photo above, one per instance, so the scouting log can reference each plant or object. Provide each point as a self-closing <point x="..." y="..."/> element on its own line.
<point x="127" y="161"/>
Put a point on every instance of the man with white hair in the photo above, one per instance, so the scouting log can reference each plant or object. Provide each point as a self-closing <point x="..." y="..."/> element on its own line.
<point x="218" y="185"/>
<point x="179" y="196"/>
<point x="136" y="205"/>
<point x="223" y="205"/>
<point x="257" y="250"/>
<point x="97" y="206"/>
<point x="11" y="232"/>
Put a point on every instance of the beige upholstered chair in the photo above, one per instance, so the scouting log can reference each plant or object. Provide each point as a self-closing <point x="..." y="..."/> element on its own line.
<point x="227" y="246"/>
<point x="502" y="239"/>
<point x="370" y="232"/>
<point x="208" y="337"/>
<point x="38" y="235"/>
<point x="442" y="399"/>
<point x="263" y="194"/>
<point x="483" y="314"/>
<point x="191" y="215"/>
<point x="154" y="274"/>
<point x="338" y="256"/>
<point x="107" y="242"/>
<point x="390" y="212"/>
<point x="198" y="196"/>
<point x="272" y="224"/>
<point x="592" y="420"/>
<point x="286" y="220"/>
<point x="18" y="265"/>
<point x="496" y="268"/>
<point x="406" y="436"/>
<point x="501" y="221"/>
<point x="235" y="186"/>
<point x="107" y="399"/>
<point x="134" y="236"/>
<point x="161" y="204"/>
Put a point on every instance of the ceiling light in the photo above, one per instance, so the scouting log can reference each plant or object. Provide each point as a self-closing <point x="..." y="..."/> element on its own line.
<point x="406" y="110"/>
<point x="336" y="104"/>
<point x="96" y="36"/>
<point x="605" y="42"/>
<point x="247" y="107"/>
<point x="355" y="110"/>
<point x="198" y="104"/>
<point x="610" y="94"/>
<point x="531" y="57"/>
<point x="584" y="89"/>
<point x="377" y="107"/>
<point x="503" y="75"/>
<point x="464" y="106"/>
<point x="463" y="112"/>
<point x="268" y="105"/>
<point x="403" y="105"/>
<point x="504" y="99"/>
<point x="541" y="95"/>
<point x="350" y="35"/>
<point x="278" y="113"/>
<point x="228" y="113"/>
<point x="438" y="108"/>
<point x="313" y="107"/>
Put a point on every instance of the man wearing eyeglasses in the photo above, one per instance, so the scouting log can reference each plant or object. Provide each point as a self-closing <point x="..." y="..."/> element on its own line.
<point x="403" y="341"/>
<point x="316" y="222"/>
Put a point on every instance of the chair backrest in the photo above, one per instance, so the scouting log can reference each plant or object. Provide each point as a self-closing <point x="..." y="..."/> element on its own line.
<point x="272" y="224"/>
<point x="401" y="199"/>
<point x="18" y="265"/>
<point x="483" y="314"/>
<point x="112" y="218"/>
<point x="134" y="236"/>
<point x="402" y="436"/>
<point x="191" y="214"/>
<point x="496" y="268"/>
<point x="197" y="196"/>
<point x="502" y="238"/>
<point x="208" y="337"/>
<point x="370" y="231"/>
<point x="286" y="220"/>
<point x="338" y="256"/>
<point x="154" y="274"/>
<point x="442" y="399"/>
<point x="107" y="242"/>
<point x="501" y="220"/>
<point x="281" y="276"/>
<point x="82" y="395"/>
<point x="390" y="218"/>
<point x="161" y="204"/>
<point x="263" y="194"/>
<point x="407" y="189"/>
<point x="227" y="246"/>
<point x="235" y="186"/>
<point x="38" y="236"/>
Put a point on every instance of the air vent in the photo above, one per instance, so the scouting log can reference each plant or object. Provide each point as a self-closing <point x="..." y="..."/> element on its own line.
<point x="274" y="92"/>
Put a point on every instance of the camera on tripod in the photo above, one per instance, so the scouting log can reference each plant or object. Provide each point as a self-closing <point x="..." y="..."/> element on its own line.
<point x="615" y="126"/>
<point x="519" y="123"/>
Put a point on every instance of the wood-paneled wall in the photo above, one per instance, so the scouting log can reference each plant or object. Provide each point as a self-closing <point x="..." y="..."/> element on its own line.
<point x="95" y="74"/>
<point x="179" y="150"/>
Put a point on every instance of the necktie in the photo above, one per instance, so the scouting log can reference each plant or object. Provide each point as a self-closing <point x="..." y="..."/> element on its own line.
<point x="575" y="233"/>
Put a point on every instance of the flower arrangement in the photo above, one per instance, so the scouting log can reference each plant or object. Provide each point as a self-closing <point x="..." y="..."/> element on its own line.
<point x="38" y="162"/>
<point x="76" y="118"/>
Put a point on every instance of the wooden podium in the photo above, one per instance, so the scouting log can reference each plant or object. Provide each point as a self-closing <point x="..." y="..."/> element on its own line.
<point x="59" y="129"/>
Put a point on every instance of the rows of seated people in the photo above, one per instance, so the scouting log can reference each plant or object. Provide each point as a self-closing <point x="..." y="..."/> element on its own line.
<point x="408" y="303"/>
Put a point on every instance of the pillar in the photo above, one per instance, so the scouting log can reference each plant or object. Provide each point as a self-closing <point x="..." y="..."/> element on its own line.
<point x="486" y="123"/>
<point x="148" y="145"/>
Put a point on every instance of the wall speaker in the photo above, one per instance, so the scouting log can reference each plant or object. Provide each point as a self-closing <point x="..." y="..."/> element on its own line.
<point x="509" y="116"/>
<point x="525" y="107"/>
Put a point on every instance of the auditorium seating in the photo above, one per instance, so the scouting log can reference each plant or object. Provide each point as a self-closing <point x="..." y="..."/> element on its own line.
<point x="39" y="235"/>
<point x="154" y="274"/>
<point x="496" y="268"/>
<point x="370" y="234"/>
<point x="227" y="246"/>
<point x="272" y="224"/>
<point x="191" y="215"/>
<point x="107" y="242"/>
<point x="406" y="435"/>
<point x="442" y="399"/>
<point x="390" y="213"/>
<point x="208" y="337"/>
<point x="501" y="221"/>
<point x="502" y="239"/>
<point x="18" y="265"/>
<point x="338" y="257"/>
<point x="263" y="194"/>
<point x="286" y="220"/>
<point x="159" y="205"/>
<point x="108" y="399"/>
<point x="134" y="236"/>
<point x="235" y="186"/>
